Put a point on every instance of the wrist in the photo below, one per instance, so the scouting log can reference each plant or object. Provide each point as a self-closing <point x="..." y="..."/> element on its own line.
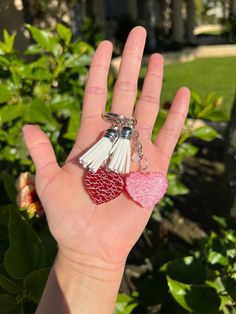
<point x="89" y="284"/>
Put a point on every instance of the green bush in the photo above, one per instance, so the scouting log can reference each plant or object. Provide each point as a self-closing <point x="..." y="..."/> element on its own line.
<point x="45" y="87"/>
<point x="202" y="282"/>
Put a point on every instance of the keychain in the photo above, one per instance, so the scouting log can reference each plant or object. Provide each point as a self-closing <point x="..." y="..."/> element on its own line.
<point x="108" y="163"/>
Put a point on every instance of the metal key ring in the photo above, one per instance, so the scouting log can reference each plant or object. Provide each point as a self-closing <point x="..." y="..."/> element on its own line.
<point x="118" y="118"/>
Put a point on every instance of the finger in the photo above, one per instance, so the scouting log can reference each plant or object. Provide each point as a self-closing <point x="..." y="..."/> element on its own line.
<point x="169" y="134"/>
<point x="125" y="89"/>
<point x="96" y="87"/>
<point x="149" y="101"/>
<point x="94" y="99"/>
<point x="41" y="151"/>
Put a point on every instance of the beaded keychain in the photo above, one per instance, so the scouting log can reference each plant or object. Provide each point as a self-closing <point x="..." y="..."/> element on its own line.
<point x="108" y="166"/>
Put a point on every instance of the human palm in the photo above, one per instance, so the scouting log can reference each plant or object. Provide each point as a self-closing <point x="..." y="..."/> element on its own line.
<point x="107" y="231"/>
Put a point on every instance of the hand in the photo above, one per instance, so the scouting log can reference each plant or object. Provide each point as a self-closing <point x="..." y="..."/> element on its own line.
<point x="105" y="234"/>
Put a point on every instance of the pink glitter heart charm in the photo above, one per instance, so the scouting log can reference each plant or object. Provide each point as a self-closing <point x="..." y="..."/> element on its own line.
<point x="103" y="186"/>
<point x="147" y="189"/>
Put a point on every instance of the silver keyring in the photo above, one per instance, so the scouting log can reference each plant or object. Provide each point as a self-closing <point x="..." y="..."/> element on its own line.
<point x="143" y="164"/>
<point x="119" y="119"/>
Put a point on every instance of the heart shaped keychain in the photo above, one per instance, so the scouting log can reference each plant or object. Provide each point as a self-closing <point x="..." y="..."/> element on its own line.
<point x="103" y="186"/>
<point x="147" y="189"/>
<point x="108" y="166"/>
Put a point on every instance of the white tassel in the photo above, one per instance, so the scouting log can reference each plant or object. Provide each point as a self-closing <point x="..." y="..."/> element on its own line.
<point x="120" y="153"/>
<point x="98" y="153"/>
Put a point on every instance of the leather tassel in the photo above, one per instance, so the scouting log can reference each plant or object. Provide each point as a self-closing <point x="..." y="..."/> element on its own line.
<point x="99" y="153"/>
<point x="120" y="153"/>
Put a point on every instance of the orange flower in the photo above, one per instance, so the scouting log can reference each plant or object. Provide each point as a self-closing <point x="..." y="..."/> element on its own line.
<point x="25" y="178"/>
<point x="27" y="198"/>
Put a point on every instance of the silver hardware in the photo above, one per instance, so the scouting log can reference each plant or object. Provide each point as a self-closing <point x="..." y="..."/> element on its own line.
<point x="118" y="119"/>
<point x="126" y="132"/>
<point x="126" y="127"/>
<point x="138" y="149"/>
<point x="111" y="134"/>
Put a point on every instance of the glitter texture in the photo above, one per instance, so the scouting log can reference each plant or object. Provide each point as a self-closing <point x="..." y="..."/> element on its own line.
<point x="103" y="186"/>
<point x="147" y="189"/>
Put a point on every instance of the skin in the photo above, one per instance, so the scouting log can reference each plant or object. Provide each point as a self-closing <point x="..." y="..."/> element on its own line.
<point x="94" y="241"/>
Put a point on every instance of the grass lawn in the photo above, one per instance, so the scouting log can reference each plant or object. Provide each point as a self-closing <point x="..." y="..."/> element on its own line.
<point x="202" y="76"/>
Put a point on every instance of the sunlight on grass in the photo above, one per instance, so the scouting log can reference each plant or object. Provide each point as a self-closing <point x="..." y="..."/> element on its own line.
<point x="202" y="76"/>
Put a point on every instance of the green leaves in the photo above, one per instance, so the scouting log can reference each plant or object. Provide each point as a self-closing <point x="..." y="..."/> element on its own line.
<point x="73" y="126"/>
<point x="26" y="252"/>
<point x="187" y="270"/>
<point x="5" y="93"/>
<point x="45" y="40"/>
<point x="175" y="187"/>
<point x="8" y="42"/>
<point x="194" y="298"/>
<point x="64" y="33"/>
<point x="7" y="303"/>
<point x="217" y="258"/>
<point x="12" y="112"/>
<point x="8" y="285"/>
<point x="208" y="108"/>
<point x="35" y="282"/>
<point x="9" y="185"/>
<point x="124" y="304"/>
<point x="206" y="133"/>
<point x="39" y="112"/>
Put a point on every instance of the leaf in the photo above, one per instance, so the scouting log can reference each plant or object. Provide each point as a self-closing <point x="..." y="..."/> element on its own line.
<point x="217" y="116"/>
<point x="35" y="283"/>
<point x="64" y="33"/>
<point x="188" y="150"/>
<point x="49" y="243"/>
<point x="206" y="133"/>
<point x="73" y="126"/>
<point x="8" y="285"/>
<point x="221" y="221"/>
<point x="26" y="252"/>
<point x="5" y="93"/>
<point x="41" y="75"/>
<point x="9" y="185"/>
<point x="187" y="270"/>
<point x="230" y="286"/>
<point x="4" y="61"/>
<point x="193" y="298"/>
<point x="11" y="112"/>
<point x="76" y="61"/>
<point x="124" y="304"/>
<point x="45" y="39"/>
<point x="9" y="41"/>
<point x="175" y="187"/>
<point x="39" y="112"/>
<point x="217" y="258"/>
<point x="195" y="105"/>
<point x="34" y="50"/>
<point x="63" y="104"/>
<point x="7" y="303"/>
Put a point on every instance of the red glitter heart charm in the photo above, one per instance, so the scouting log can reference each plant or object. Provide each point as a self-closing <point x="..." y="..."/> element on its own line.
<point x="103" y="186"/>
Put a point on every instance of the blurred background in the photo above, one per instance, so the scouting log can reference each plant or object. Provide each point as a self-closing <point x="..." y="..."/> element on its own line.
<point x="185" y="261"/>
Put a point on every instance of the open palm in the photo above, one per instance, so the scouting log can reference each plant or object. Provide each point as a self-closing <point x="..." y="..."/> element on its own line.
<point x="106" y="231"/>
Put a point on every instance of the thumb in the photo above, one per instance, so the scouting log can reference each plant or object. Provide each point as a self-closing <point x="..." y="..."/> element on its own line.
<point x="41" y="151"/>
